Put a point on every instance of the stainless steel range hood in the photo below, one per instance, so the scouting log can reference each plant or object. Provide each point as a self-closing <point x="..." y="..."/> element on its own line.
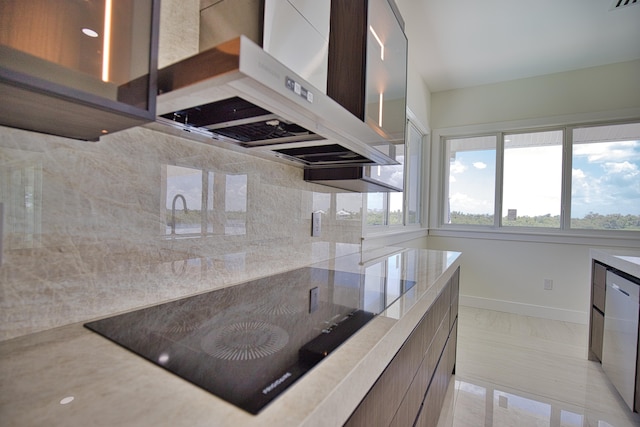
<point x="237" y="96"/>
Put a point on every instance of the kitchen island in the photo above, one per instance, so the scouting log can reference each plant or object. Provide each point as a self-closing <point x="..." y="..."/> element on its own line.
<point x="72" y="376"/>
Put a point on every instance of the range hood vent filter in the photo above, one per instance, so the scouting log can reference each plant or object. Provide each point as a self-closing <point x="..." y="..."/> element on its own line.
<point x="236" y="95"/>
<point x="325" y="154"/>
<point x="240" y="121"/>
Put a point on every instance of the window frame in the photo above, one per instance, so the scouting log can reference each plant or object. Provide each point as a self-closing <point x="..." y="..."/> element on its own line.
<point x="437" y="220"/>
<point x="421" y="182"/>
<point x="444" y="178"/>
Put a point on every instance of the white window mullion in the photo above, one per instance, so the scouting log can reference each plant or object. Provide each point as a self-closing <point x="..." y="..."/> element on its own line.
<point x="497" y="216"/>
<point x="567" y="168"/>
<point x="443" y="207"/>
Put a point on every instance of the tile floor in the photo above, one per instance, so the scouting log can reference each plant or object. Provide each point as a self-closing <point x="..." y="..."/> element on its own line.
<point x="523" y="371"/>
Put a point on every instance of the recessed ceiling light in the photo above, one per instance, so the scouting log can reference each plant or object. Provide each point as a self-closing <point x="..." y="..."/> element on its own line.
<point x="89" y="32"/>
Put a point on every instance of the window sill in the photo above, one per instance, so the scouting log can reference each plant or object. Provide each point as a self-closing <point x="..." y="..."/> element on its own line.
<point x="629" y="239"/>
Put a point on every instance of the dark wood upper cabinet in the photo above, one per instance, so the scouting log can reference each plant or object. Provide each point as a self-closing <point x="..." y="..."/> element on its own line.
<point x="79" y="69"/>
<point x="367" y="65"/>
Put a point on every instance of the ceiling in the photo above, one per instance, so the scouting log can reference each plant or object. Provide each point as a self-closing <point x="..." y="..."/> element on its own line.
<point x="462" y="43"/>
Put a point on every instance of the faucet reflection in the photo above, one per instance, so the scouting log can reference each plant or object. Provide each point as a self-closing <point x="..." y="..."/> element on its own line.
<point x="173" y="211"/>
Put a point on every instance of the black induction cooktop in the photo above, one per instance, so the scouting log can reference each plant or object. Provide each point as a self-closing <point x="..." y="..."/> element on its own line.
<point x="247" y="343"/>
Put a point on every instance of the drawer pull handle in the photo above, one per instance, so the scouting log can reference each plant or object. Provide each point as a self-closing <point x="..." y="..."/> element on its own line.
<point x="617" y="288"/>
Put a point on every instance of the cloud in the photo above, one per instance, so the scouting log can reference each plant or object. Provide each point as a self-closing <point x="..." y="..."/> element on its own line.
<point x="457" y="167"/>
<point x="626" y="168"/>
<point x="480" y="165"/>
<point x="606" y="179"/>
<point x="397" y="179"/>
<point x="613" y="188"/>
<point x="607" y="151"/>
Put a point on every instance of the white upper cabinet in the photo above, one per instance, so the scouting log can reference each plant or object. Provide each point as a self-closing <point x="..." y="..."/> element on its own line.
<point x="296" y="33"/>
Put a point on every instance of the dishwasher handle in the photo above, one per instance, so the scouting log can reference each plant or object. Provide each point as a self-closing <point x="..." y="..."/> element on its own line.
<point x="618" y="288"/>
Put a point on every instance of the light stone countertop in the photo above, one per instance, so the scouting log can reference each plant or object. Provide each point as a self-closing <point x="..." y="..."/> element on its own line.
<point x="629" y="262"/>
<point x="112" y="386"/>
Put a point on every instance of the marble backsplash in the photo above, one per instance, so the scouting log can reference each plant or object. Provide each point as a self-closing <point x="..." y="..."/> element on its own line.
<point x="89" y="228"/>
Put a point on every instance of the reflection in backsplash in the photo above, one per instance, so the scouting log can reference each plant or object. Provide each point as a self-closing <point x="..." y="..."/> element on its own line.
<point x="86" y="224"/>
<point x="348" y="206"/>
<point x="21" y="193"/>
<point x="339" y="206"/>
<point x="202" y="202"/>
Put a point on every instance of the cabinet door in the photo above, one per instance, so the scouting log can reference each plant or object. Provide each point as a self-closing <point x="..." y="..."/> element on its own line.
<point x="347" y="55"/>
<point x="455" y="291"/>
<point x="297" y="34"/>
<point x="381" y="403"/>
<point x="432" y="406"/>
<point x="386" y="72"/>
<point x="597" y="330"/>
<point x="78" y="69"/>
<point x="598" y="285"/>
<point x="396" y="397"/>
<point x="367" y="65"/>
<point x="453" y="348"/>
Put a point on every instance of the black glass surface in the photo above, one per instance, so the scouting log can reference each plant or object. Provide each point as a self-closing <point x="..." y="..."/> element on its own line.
<point x="247" y="343"/>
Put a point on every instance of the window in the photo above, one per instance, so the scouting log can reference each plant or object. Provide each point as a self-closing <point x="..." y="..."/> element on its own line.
<point x="387" y="208"/>
<point x="398" y="208"/>
<point x="470" y="180"/>
<point x="532" y="179"/>
<point x="605" y="177"/>
<point x="377" y="209"/>
<point x="413" y="165"/>
<point x="396" y="198"/>
<point x="574" y="177"/>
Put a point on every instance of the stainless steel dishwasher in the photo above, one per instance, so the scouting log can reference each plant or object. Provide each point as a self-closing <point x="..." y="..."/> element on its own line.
<point x="620" y="341"/>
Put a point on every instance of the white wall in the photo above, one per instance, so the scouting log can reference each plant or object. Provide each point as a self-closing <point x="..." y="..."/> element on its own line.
<point x="590" y="91"/>
<point x="418" y="97"/>
<point x="508" y="274"/>
<point x="418" y="94"/>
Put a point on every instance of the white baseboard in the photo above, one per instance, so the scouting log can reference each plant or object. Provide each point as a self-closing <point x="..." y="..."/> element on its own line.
<point x="526" y="309"/>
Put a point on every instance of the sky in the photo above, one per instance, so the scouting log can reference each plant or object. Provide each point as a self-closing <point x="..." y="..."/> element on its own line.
<point x="472" y="182"/>
<point x="605" y="180"/>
